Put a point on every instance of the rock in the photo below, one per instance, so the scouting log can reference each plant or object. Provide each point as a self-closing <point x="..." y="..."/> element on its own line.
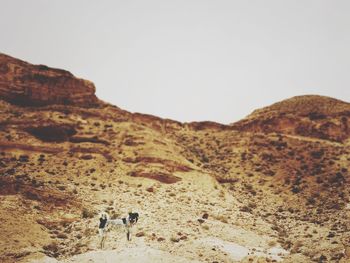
<point x="52" y="133"/>
<point x="150" y="189"/>
<point x="87" y="157"/>
<point x="140" y="234"/>
<point x="200" y="220"/>
<point x="25" y="84"/>
<point x="158" y="176"/>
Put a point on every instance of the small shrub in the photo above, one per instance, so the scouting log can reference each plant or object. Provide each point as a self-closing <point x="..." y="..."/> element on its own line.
<point x="61" y="187"/>
<point x="272" y="243"/>
<point x="62" y="236"/>
<point x="206" y="227"/>
<point x="86" y="213"/>
<point x="222" y="218"/>
<point x="245" y="209"/>
<point x="297" y="246"/>
<point x="51" y="249"/>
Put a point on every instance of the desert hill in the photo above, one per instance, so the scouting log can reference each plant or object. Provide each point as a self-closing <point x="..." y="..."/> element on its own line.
<point x="310" y="116"/>
<point x="304" y="106"/>
<point x="266" y="188"/>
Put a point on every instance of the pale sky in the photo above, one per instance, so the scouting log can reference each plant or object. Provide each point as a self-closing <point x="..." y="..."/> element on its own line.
<point x="188" y="60"/>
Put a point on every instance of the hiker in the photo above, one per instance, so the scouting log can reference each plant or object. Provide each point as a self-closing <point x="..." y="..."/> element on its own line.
<point x="102" y="227"/>
<point x="128" y="222"/>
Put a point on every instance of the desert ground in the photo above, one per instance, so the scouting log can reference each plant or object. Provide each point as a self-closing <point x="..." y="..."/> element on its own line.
<point x="273" y="187"/>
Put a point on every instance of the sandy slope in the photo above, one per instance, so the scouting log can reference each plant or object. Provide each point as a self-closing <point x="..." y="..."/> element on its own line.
<point x="131" y="255"/>
<point x="171" y="231"/>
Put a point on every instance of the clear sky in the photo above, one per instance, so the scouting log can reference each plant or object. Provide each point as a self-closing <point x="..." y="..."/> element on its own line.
<point x="189" y="60"/>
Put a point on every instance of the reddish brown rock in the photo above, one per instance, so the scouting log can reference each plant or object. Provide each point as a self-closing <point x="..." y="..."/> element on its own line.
<point x="310" y="116"/>
<point x="25" y="84"/>
<point x="208" y="125"/>
<point x="158" y="176"/>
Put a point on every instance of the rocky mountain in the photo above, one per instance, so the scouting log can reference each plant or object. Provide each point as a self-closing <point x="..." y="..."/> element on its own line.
<point x="267" y="188"/>
<point x="310" y="116"/>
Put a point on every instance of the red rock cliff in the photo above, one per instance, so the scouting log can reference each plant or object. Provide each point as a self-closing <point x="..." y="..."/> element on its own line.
<point x="37" y="85"/>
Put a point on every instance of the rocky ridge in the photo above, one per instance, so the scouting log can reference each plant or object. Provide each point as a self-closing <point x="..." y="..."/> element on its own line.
<point x="310" y="116"/>
<point x="26" y="84"/>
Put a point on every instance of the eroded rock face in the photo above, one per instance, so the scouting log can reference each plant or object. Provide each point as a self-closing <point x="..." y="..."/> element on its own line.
<point x="52" y="133"/>
<point x="25" y="84"/>
<point x="309" y="116"/>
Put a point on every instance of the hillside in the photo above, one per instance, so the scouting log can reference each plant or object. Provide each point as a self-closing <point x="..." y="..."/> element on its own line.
<point x="310" y="116"/>
<point x="266" y="188"/>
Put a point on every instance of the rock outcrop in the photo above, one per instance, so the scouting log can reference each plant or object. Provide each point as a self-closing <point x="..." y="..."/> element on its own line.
<point x="310" y="116"/>
<point x="25" y="84"/>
